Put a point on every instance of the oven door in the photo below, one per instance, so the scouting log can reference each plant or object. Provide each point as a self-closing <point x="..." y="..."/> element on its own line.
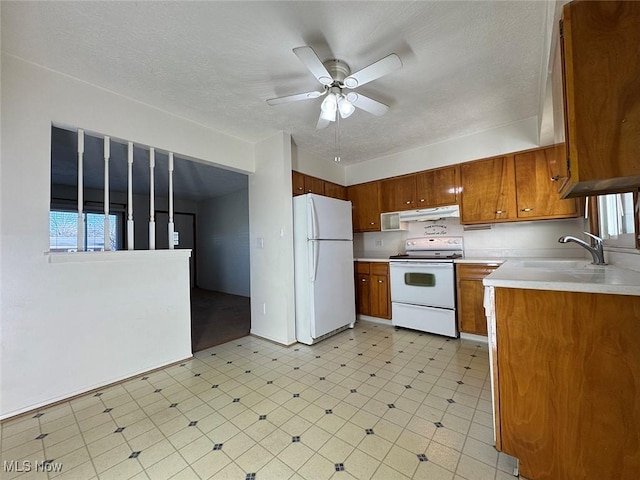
<point x="423" y="283"/>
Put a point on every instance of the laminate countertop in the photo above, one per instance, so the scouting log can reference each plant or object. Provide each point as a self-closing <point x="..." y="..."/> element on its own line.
<point x="574" y="275"/>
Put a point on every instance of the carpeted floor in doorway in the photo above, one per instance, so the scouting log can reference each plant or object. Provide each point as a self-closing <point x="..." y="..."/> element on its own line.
<point x="217" y="318"/>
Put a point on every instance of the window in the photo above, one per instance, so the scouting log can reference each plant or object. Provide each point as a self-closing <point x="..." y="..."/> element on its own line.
<point x="63" y="231"/>
<point x="617" y="219"/>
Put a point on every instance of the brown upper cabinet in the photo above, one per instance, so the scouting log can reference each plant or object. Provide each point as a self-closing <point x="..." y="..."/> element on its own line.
<point x="487" y="188"/>
<point x="307" y="184"/>
<point x="398" y="193"/>
<point x="365" y="199"/>
<point x="436" y="188"/>
<point x="335" y="191"/>
<point x="297" y="181"/>
<point x="601" y="97"/>
<point x="313" y="185"/>
<point x="536" y="185"/>
<point x="430" y="188"/>
<point x="514" y="187"/>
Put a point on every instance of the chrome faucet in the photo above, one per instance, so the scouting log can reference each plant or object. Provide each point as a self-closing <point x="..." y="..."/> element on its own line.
<point x="595" y="249"/>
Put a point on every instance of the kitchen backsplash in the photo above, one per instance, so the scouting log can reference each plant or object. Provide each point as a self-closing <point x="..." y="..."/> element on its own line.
<point x="522" y="239"/>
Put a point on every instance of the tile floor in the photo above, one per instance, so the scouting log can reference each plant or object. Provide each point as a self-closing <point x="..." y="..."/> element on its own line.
<point x="368" y="403"/>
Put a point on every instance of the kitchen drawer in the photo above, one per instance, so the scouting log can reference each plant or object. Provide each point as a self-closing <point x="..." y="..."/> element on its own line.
<point x="475" y="271"/>
<point x="379" y="268"/>
<point x="362" y="268"/>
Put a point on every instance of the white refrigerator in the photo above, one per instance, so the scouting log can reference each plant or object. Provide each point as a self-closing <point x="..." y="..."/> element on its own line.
<point x="323" y="255"/>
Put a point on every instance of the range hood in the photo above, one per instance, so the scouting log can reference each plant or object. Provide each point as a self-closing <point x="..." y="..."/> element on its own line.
<point x="426" y="214"/>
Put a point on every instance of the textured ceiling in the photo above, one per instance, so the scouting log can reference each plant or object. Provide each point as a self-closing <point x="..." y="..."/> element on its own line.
<point x="468" y="66"/>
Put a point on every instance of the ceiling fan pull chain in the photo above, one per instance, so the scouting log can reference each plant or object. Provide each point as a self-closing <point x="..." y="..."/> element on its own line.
<point x="337" y="138"/>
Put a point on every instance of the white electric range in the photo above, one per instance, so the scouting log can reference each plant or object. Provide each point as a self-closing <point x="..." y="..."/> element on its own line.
<point x="423" y="289"/>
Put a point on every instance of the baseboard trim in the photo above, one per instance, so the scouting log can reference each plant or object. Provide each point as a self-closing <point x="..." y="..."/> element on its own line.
<point x="92" y="390"/>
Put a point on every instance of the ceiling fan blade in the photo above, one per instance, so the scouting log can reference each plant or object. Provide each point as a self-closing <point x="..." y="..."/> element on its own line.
<point x="322" y="123"/>
<point x="367" y="104"/>
<point x="309" y="57"/>
<point x="295" y="98"/>
<point x="374" y="71"/>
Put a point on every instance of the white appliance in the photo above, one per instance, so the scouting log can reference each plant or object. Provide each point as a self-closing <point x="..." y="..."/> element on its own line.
<point x="423" y="285"/>
<point x="323" y="256"/>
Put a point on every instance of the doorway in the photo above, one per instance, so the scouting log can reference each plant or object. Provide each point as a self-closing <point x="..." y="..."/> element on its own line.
<point x="184" y="224"/>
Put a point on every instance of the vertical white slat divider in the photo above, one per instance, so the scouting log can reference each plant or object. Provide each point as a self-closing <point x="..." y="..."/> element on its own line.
<point x="107" y="227"/>
<point x="170" y="225"/>
<point x="81" y="246"/>
<point x="152" y="215"/>
<point x="130" y="196"/>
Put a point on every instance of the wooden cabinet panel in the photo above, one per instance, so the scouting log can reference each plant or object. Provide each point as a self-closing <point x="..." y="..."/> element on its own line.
<point x="568" y="382"/>
<point x="470" y="293"/>
<point x="313" y="185"/>
<point x="601" y="73"/>
<point x="363" y="294"/>
<point x="380" y="297"/>
<point x="487" y="190"/>
<point x="398" y="194"/>
<point x="435" y="188"/>
<point x="297" y="180"/>
<point x="535" y="187"/>
<point x="372" y="289"/>
<point x="335" y="191"/>
<point x="363" y="267"/>
<point x="365" y="199"/>
<point x="308" y="184"/>
<point x="379" y="268"/>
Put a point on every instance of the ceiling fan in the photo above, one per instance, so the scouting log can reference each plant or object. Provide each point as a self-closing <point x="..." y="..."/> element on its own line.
<point x="336" y="76"/>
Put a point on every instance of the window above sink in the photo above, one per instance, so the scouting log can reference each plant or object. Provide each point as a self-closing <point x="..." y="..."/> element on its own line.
<point x="618" y="219"/>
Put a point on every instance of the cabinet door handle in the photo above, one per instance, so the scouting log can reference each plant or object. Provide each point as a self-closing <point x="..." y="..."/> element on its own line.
<point x="422" y="200"/>
<point x="372" y="223"/>
<point x="408" y="202"/>
<point x="498" y="212"/>
<point x="380" y="281"/>
<point x="555" y="178"/>
<point x="363" y="280"/>
<point x="526" y="209"/>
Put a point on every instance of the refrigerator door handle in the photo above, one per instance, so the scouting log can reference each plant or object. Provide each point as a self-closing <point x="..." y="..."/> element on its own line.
<point x="313" y="216"/>
<point x="315" y="251"/>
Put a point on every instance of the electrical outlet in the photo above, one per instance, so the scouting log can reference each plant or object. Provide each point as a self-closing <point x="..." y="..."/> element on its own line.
<point x="379" y="242"/>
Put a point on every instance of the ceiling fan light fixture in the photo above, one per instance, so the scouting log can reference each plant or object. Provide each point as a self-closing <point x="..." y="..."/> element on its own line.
<point x="328" y="115"/>
<point x="345" y="107"/>
<point x="329" y="107"/>
<point x="350" y="82"/>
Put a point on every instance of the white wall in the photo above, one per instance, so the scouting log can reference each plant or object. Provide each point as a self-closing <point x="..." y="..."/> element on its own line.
<point x="325" y="168"/>
<point x="60" y="335"/>
<point x="271" y="241"/>
<point x="509" y="138"/>
<point x="223" y="244"/>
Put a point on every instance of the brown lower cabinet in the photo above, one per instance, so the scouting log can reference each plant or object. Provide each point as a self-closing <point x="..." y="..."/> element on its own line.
<point x="566" y="383"/>
<point x="470" y="292"/>
<point x="372" y="289"/>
